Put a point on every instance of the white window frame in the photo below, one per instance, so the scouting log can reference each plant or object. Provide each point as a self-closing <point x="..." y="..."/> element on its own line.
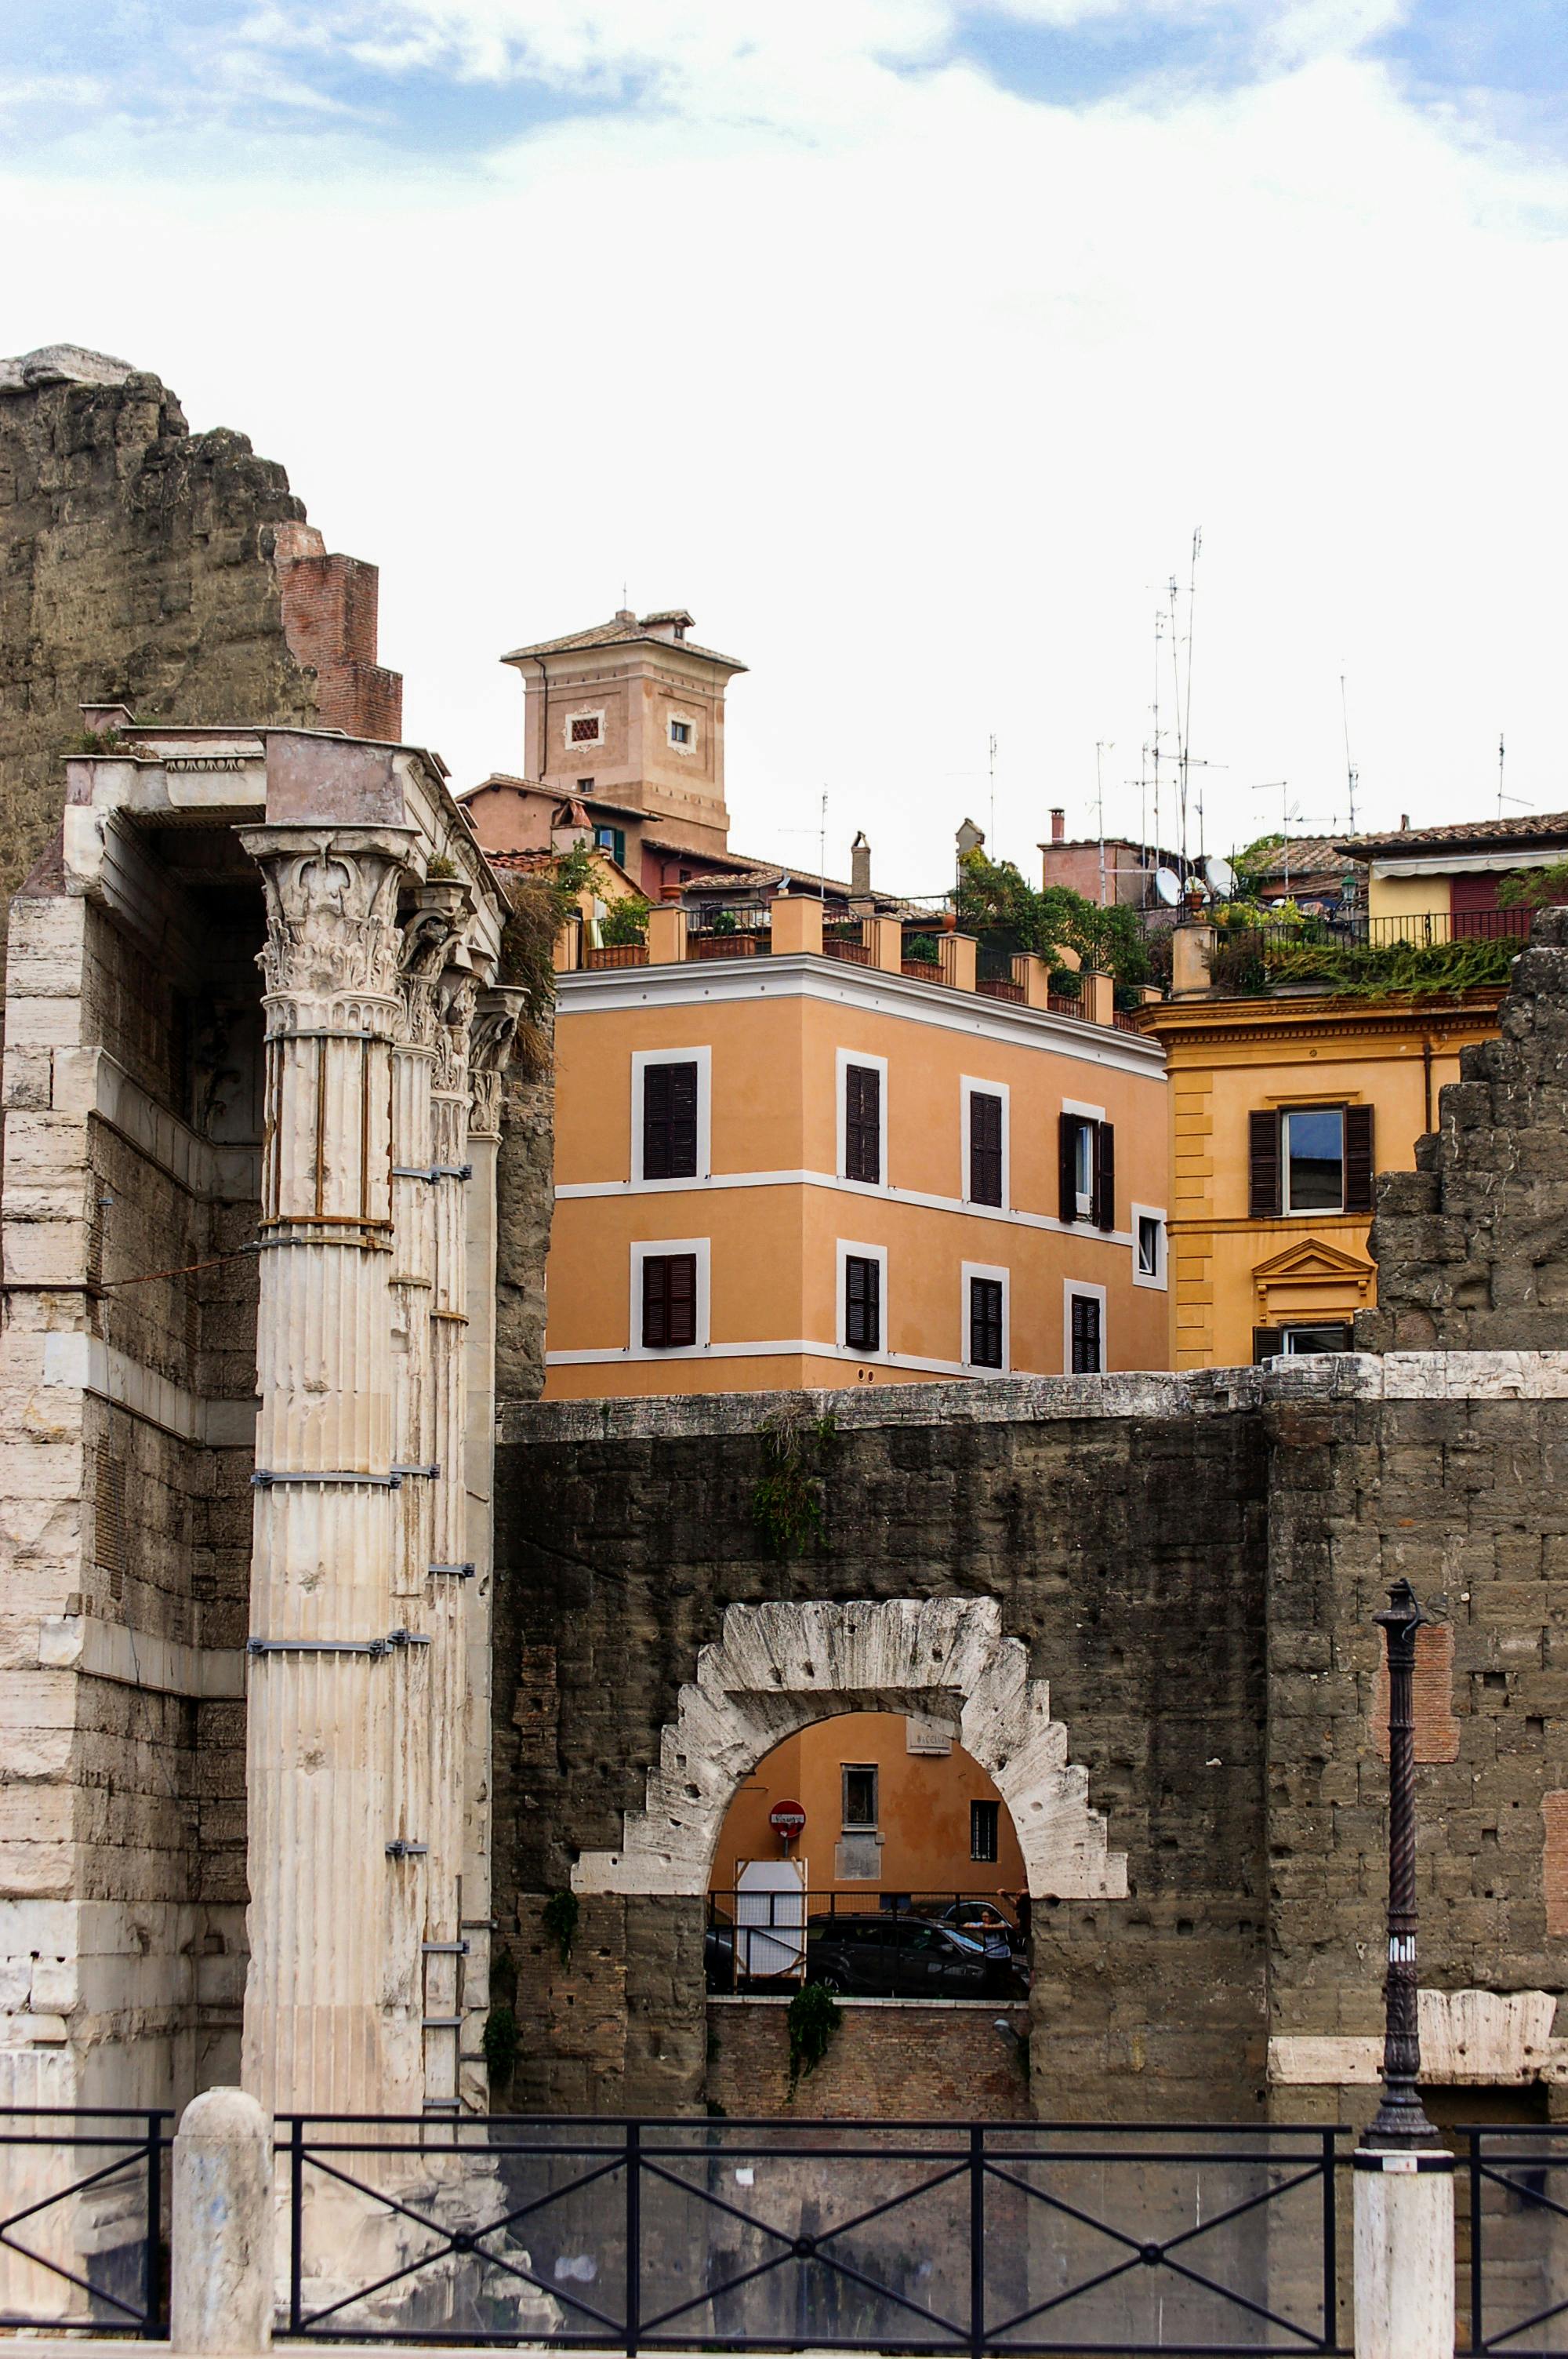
<point x="641" y="1251"/>
<point x="986" y="1269"/>
<point x="687" y="721"/>
<point x="1085" y="1204"/>
<point x="967" y="1084"/>
<point x="584" y="713"/>
<point x="846" y="1058"/>
<point x="1160" y="1279"/>
<point x="703" y="1060"/>
<point x="1071" y="1286"/>
<point x="1309" y="1211"/>
<point x="844" y="1247"/>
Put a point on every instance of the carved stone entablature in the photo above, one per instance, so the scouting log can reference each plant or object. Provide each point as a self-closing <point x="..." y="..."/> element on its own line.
<point x="492" y="1039"/>
<point x="331" y="960"/>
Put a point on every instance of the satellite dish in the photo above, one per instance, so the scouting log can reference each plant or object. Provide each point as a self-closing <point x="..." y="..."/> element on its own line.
<point x="1168" y="885"/>
<point x="1220" y="878"/>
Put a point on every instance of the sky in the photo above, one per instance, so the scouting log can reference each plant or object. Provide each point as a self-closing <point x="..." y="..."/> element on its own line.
<point x="908" y="343"/>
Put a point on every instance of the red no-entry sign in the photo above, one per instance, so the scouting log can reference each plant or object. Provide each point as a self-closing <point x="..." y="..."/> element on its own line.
<point x="787" y="1819"/>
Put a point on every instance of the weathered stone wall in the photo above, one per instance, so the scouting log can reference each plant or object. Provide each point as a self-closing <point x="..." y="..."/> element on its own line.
<point x="1472" y="1245"/>
<point x="948" y="2063"/>
<point x="1193" y="1566"/>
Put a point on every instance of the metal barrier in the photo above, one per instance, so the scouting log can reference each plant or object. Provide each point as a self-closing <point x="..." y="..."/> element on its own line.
<point x="1516" y="2183"/>
<point x="86" y="2257"/>
<point x="733" y="2236"/>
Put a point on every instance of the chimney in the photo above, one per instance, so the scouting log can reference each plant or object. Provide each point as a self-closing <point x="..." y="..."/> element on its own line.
<point x="860" y="864"/>
<point x="1058" y="827"/>
<point x="1404" y="822"/>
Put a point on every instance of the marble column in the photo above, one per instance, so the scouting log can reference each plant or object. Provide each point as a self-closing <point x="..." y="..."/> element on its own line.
<point x="319" y="2033"/>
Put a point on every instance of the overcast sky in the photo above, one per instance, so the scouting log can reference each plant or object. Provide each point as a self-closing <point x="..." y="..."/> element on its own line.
<point x="906" y="341"/>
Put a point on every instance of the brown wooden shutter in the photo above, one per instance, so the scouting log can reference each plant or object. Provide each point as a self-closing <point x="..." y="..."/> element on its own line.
<point x="984" y="1322"/>
<point x="863" y="1303"/>
<point x="1263" y="1161"/>
<point x="863" y="1123"/>
<point x="985" y="1148"/>
<point x="1104" y="1175"/>
<point x="1265" y="1343"/>
<point x="669" y="1121"/>
<point x="1358" y="1171"/>
<point x="669" y="1301"/>
<point x="1085" y="1335"/>
<point x="1068" y="1164"/>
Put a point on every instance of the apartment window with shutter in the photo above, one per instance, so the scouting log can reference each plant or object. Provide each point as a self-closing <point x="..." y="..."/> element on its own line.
<point x="1086" y="1159"/>
<point x="859" y="1794"/>
<point x="985" y="1148"/>
<point x="863" y="1124"/>
<point x="1288" y="1342"/>
<point x="863" y="1303"/>
<point x="985" y="1819"/>
<point x="669" y="1121"/>
<point x="669" y="1301"/>
<point x="1085" y="1332"/>
<point x="984" y="1322"/>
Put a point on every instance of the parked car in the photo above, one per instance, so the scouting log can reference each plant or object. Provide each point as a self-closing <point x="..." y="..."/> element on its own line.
<point x="984" y="1922"/>
<point x="904" y="1957"/>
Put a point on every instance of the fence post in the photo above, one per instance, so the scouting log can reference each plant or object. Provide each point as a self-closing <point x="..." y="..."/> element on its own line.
<point x="634" y="2237"/>
<point x="221" y="2227"/>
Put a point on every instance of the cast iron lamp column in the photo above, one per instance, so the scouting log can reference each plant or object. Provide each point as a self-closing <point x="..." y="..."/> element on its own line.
<point x="1401" y="2119"/>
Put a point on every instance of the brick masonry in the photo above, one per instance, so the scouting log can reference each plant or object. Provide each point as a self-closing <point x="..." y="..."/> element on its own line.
<point x="948" y="2063"/>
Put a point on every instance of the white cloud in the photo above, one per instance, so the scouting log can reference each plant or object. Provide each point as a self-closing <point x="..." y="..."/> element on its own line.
<point x="913" y="390"/>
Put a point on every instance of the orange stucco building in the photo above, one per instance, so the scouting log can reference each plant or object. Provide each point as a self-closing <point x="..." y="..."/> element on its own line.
<point x="892" y="1803"/>
<point x="778" y="1165"/>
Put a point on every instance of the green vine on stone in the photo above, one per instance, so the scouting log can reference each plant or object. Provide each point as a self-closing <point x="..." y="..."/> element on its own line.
<point x="501" y="2042"/>
<point x="560" y="1922"/>
<point x="786" y="1502"/>
<point x="813" y="2022"/>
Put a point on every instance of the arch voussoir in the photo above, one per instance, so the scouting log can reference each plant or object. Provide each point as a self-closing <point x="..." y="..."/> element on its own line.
<point x="778" y="1667"/>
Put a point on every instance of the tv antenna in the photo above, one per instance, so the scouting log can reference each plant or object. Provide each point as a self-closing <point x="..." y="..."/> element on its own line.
<point x="1517" y="801"/>
<point x="1290" y="814"/>
<point x="1352" y="776"/>
<point x="1103" y="745"/>
<point x="991" y="773"/>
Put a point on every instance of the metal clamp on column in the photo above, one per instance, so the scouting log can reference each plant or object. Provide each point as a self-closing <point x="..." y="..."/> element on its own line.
<point x="315" y="1646"/>
<point x="406" y="1638"/>
<point x="432" y="1172"/>
<point x="457" y="1572"/>
<point x="398" y="1849"/>
<point x="445" y="1949"/>
<point x="266" y="1476"/>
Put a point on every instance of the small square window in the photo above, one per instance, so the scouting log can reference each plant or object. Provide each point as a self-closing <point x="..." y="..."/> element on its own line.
<point x="585" y="729"/>
<point x="1147" y="1245"/>
<point x="680" y="732"/>
<point x="859" y="1795"/>
<point x="985" y="1820"/>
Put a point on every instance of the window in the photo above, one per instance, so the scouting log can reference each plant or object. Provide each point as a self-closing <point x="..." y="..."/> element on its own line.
<point x="1149" y="1246"/>
<point x="1083" y="1325"/>
<point x="863" y="1303"/>
<point x="669" y="1121"/>
<point x="585" y="786"/>
<point x="613" y="841"/>
<point x="1086" y="1161"/>
<point x="859" y="1795"/>
<point x="984" y="1825"/>
<point x="1315" y="1335"/>
<point x="985" y="1323"/>
<point x="863" y="1124"/>
<point x="586" y="728"/>
<point x="669" y="1301"/>
<point x="985" y="1148"/>
<point x="680" y="732"/>
<point x="1310" y="1160"/>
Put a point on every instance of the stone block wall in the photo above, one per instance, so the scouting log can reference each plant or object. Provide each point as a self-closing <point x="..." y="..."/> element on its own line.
<point x="946" y="2064"/>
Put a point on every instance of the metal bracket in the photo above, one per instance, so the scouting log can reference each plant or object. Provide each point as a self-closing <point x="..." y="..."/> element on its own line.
<point x="433" y="1171"/>
<point x="406" y="1638"/>
<point x="374" y="1647"/>
<point x="457" y="1572"/>
<point x="429" y="1471"/>
<point x="398" y="1849"/>
<point x="440" y="2023"/>
<point x="266" y="1476"/>
<point x="445" y="1949"/>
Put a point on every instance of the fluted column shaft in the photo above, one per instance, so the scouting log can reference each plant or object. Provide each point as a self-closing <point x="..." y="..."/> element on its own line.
<point x="319" y="2032"/>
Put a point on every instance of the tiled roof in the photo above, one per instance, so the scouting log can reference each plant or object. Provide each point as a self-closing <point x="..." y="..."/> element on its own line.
<point x="1534" y="827"/>
<point x="622" y="630"/>
<point x="1311" y="855"/>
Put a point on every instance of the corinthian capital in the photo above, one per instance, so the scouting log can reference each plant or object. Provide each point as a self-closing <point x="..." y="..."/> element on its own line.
<point x="330" y="959"/>
<point x="492" y="1039"/>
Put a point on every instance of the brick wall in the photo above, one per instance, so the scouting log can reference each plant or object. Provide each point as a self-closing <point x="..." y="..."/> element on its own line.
<point x="889" y="2062"/>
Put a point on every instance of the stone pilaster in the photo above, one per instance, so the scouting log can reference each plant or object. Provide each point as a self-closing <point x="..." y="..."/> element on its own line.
<point x="331" y="2014"/>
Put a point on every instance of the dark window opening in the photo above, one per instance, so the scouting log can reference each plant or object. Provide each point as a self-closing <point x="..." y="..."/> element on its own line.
<point x="1313" y="1158"/>
<point x="984" y="1818"/>
<point x="863" y="1124"/>
<point x="985" y="1148"/>
<point x="1147" y="1245"/>
<point x="863" y="1303"/>
<point x="669" y="1121"/>
<point x="613" y="841"/>
<point x="984" y="1322"/>
<point x="1302" y="1336"/>
<point x="669" y="1301"/>
<point x="680" y="732"/>
<point x="1085" y="1327"/>
<point x="585" y="729"/>
<point x="1087" y="1169"/>
<point x="859" y="1795"/>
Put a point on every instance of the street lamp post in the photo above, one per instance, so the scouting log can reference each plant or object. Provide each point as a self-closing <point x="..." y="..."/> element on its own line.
<point x="1402" y="2120"/>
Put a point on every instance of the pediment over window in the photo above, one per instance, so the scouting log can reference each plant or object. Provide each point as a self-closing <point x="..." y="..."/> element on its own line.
<point x="1311" y="1265"/>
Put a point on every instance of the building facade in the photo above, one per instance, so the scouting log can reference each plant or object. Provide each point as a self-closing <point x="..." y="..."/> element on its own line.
<point x="788" y="1157"/>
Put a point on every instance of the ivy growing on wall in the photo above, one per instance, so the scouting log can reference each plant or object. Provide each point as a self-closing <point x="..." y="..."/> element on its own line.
<point x="560" y="1916"/>
<point x="787" y="1500"/>
<point x="813" y="2022"/>
<point x="500" y="2040"/>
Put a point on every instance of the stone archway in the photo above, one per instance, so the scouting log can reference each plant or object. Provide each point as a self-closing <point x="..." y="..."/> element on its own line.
<point x="778" y="1666"/>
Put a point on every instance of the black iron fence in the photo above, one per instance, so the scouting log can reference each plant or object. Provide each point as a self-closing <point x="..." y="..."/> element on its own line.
<point x="1513" y="2240"/>
<point x="733" y="2236"/>
<point x="83" y="2198"/>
